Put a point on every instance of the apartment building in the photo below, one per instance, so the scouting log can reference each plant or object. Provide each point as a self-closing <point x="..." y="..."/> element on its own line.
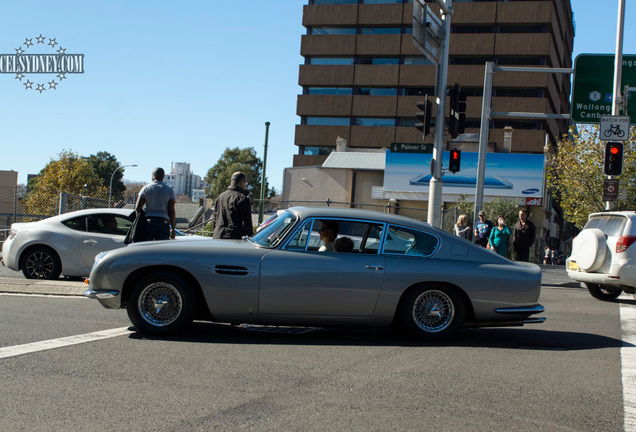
<point x="183" y="181"/>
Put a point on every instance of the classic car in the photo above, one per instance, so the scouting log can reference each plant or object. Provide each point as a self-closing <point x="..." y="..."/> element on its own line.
<point x="400" y="271"/>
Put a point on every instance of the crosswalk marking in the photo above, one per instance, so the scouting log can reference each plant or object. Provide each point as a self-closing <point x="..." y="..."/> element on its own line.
<point x="17" y="350"/>
<point x="628" y="364"/>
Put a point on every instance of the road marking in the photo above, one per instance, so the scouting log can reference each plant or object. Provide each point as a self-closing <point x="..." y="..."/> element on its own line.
<point x="62" y="342"/>
<point x="628" y="364"/>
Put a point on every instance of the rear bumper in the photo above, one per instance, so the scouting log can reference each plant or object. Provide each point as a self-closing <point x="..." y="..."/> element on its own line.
<point x="624" y="275"/>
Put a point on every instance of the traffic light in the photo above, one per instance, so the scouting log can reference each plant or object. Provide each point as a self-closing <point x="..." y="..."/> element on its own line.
<point x="424" y="116"/>
<point x="457" y="117"/>
<point x="613" y="158"/>
<point x="455" y="160"/>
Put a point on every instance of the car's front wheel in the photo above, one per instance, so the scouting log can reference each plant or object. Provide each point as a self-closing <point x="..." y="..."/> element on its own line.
<point x="432" y="312"/>
<point x="603" y="292"/>
<point x="161" y="304"/>
<point x="41" y="262"/>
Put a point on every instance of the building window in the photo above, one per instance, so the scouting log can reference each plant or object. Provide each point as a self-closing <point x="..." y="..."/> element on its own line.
<point x="380" y="30"/>
<point x="328" y="121"/>
<point x="517" y="124"/>
<point x="378" y="60"/>
<point x="417" y="91"/>
<point x="330" y="2"/>
<point x="317" y="151"/>
<point x="368" y="121"/>
<point x="407" y="121"/>
<point x="469" y="60"/>
<point x="472" y="29"/>
<point x="523" y="29"/>
<point x="518" y="92"/>
<point x="343" y="91"/>
<point x="333" y="30"/>
<point x="521" y="61"/>
<point x="330" y="60"/>
<point x="377" y="91"/>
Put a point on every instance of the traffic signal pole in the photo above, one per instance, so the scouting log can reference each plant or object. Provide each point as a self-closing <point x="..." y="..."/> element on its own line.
<point x="436" y="183"/>
<point x="618" y="74"/>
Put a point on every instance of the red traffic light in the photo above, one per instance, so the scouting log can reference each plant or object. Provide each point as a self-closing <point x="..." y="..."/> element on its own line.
<point x="613" y="150"/>
<point x="454" y="164"/>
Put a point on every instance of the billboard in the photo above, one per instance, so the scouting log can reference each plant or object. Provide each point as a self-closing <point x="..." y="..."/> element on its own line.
<point x="512" y="175"/>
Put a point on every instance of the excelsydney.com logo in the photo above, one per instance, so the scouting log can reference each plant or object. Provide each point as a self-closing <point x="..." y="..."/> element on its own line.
<point x="26" y="62"/>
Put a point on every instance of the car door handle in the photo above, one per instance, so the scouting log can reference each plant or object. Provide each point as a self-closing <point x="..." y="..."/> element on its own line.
<point x="91" y="242"/>
<point x="375" y="267"/>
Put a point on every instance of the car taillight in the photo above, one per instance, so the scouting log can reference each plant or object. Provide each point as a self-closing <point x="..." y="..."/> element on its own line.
<point x="624" y="242"/>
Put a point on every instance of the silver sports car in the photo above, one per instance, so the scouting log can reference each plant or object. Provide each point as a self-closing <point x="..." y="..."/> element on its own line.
<point x="381" y="269"/>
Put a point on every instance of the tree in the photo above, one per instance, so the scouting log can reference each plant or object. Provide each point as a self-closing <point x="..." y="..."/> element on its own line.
<point x="575" y="174"/>
<point x="219" y="176"/>
<point x="104" y="165"/>
<point x="69" y="173"/>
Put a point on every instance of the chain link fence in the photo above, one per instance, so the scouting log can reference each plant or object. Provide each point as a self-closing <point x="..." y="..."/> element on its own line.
<point x="17" y="204"/>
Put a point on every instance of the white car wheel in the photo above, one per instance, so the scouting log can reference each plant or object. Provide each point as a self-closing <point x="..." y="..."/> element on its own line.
<point x="589" y="249"/>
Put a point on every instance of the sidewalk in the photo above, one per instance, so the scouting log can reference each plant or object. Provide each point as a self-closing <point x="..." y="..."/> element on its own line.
<point x="45" y="287"/>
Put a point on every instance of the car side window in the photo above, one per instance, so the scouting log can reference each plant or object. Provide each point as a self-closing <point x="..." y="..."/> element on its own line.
<point x="299" y="240"/>
<point x="407" y="241"/>
<point x="77" y="224"/>
<point x="351" y="237"/>
<point x="108" y="224"/>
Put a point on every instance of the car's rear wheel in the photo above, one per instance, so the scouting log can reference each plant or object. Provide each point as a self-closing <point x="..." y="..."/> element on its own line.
<point x="432" y="312"/>
<point x="161" y="304"/>
<point x="41" y="262"/>
<point x="603" y="292"/>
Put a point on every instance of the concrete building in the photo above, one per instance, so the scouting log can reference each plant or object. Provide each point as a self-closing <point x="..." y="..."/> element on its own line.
<point x="363" y="75"/>
<point x="182" y="180"/>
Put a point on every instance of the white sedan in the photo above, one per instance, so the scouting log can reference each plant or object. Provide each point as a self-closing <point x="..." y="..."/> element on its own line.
<point x="65" y="244"/>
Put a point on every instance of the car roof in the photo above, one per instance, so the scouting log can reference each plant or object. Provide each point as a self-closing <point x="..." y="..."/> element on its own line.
<point x="70" y="215"/>
<point x="331" y="212"/>
<point x="625" y="213"/>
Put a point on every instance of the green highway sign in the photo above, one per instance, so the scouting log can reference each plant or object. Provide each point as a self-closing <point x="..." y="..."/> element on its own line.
<point x="594" y="86"/>
<point x="411" y="148"/>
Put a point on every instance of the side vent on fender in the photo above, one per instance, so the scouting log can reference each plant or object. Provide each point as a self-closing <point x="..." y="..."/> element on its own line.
<point x="231" y="270"/>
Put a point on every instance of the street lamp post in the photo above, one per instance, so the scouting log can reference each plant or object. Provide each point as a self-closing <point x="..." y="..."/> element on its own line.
<point x="110" y="189"/>
<point x="260" y="206"/>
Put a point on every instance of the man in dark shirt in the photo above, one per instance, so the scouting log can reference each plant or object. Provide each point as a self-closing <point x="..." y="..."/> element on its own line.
<point x="482" y="229"/>
<point x="523" y="237"/>
<point x="233" y="211"/>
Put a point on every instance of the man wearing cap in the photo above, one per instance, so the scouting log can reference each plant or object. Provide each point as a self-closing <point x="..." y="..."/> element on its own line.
<point x="233" y="211"/>
<point x="482" y="230"/>
<point x="159" y="199"/>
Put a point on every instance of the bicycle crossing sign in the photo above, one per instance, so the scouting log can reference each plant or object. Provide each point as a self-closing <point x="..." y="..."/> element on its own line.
<point x="614" y="128"/>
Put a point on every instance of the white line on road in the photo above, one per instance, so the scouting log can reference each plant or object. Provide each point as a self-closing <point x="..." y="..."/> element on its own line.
<point x="61" y="342"/>
<point x="628" y="364"/>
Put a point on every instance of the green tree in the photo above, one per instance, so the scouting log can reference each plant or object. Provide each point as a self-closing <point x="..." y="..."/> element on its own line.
<point x="219" y="176"/>
<point x="69" y="173"/>
<point x="104" y="165"/>
<point x="575" y="174"/>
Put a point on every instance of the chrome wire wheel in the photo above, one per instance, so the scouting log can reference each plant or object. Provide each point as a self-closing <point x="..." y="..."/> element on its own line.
<point x="433" y="311"/>
<point x="160" y="304"/>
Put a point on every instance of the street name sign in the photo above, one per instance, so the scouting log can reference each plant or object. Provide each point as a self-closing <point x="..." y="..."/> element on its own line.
<point x="614" y="128"/>
<point x="411" y="148"/>
<point x="593" y="88"/>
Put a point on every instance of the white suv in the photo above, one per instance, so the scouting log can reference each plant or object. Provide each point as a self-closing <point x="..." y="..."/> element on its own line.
<point x="603" y="258"/>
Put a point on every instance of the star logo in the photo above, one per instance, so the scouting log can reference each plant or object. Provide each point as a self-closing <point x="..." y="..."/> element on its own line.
<point x="19" y="76"/>
<point x="40" y="39"/>
<point x="53" y="85"/>
<point x="61" y="76"/>
<point x="52" y="42"/>
<point x="28" y="84"/>
<point x="61" y="50"/>
<point x="28" y="42"/>
<point x="19" y="50"/>
<point x="40" y="88"/>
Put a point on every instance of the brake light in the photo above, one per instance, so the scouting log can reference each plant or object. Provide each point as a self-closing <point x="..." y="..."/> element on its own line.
<point x="624" y="242"/>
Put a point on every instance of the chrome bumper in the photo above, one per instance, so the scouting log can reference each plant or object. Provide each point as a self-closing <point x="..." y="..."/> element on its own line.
<point x="536" y="309"/>
<point x="100" y="294"/>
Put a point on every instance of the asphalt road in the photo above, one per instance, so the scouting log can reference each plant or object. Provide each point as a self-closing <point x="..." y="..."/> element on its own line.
<point x="562" y="375"/>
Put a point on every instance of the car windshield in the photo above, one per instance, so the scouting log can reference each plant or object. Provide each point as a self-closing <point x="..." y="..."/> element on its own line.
<point x="272" y="234"/>
<point x="611" y="225"/>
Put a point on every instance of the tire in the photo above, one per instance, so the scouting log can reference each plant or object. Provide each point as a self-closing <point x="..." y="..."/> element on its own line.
<point x="589" y="249"/>
<point x="602" y="292"/>
<point x="432" y="312"/>
<point x="172" y="293"/>
<point x="41" y="262"/>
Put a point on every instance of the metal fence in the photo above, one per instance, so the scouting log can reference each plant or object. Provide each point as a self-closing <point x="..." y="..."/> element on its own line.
<point x="18" y="204"/>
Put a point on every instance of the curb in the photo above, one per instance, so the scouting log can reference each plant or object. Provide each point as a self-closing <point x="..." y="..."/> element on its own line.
<point x="44" y="287"/>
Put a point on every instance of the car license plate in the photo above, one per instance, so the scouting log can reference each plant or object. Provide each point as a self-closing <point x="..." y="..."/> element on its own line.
<point x="572" y="265"/>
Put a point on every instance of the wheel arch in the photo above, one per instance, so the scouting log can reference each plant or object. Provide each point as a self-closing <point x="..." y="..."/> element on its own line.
<point x="28" y="248"/>
<point x="202" y="310"/>
<point x="468" y="305"/>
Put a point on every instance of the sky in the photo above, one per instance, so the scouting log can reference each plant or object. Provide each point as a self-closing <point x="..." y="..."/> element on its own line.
<point x="178" y="81"/>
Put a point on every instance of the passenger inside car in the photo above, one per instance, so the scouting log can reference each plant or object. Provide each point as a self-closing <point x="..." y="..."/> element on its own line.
<point x="328" y="233"/>
<point x="343" y="244"/>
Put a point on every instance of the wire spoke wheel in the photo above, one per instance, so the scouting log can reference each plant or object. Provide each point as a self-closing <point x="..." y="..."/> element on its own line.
<point x="160" y="304"/>
<point x="433" y="311"/>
